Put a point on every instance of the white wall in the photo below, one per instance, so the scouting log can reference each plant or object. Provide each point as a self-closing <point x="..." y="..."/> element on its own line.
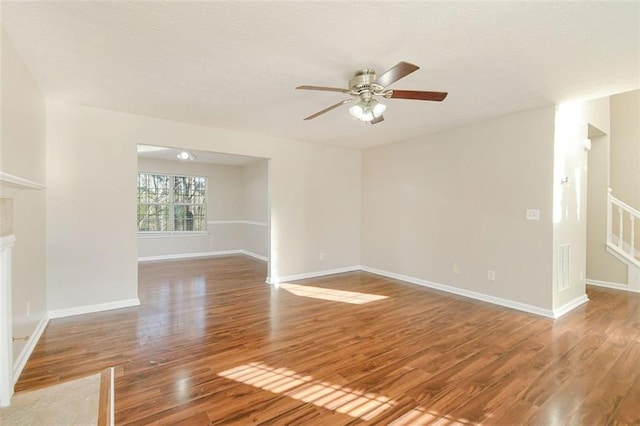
<point x="314" y="191"/>
<point x="460" y="198"/>
<point x="570" y="198"/>
<point x="23" y="154"/>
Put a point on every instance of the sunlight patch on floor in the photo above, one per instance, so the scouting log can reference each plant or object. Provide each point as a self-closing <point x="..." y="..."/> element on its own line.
<point x="419" y="416"/>
<point x="354" y="403"/>
<point x="333" y="295"/>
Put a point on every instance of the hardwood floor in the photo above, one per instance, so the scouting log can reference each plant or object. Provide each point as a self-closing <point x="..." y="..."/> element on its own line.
<point x="213" y="344"/>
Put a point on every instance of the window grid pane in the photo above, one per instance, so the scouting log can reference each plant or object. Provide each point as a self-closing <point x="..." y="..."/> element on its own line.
<point x="188" y="189"/>
<point x="153" y="217"/>
<point x="190" y="217"/>
<point x="171" y="203"/>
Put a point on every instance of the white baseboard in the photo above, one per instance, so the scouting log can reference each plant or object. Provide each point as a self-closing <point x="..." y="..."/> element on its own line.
<point x="255" y="255"/>
<point x="275" y="280"/>
<point x="88" y="309"/>
<point x="569" y="306"/>
<point x="236" y="222"/>
<point x="27" y="350"/>
<point x="188" y="255"/>
<point x="466" y="293"/>
<point x="607" y="284"/>
<point x="202" y="254"/>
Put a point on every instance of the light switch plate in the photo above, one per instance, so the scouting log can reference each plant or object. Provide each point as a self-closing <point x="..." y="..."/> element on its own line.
<point x="533" y="214"/>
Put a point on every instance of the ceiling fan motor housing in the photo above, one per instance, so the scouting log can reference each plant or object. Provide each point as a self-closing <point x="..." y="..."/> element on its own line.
<point x="362" y="84"/>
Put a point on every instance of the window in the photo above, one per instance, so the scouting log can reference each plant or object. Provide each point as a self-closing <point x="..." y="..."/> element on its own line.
<point x="168" y="203"/>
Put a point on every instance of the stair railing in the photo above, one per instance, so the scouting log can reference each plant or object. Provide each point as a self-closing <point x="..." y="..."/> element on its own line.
<point x="623" y="243"/>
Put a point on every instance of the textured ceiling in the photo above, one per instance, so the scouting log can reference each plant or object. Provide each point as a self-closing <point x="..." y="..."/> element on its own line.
<point x="171" y="154"/>
<point x="235" y="64"/>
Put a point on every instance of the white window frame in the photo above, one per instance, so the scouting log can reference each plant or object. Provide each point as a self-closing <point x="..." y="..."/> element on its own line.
<point x="172" y="203"/>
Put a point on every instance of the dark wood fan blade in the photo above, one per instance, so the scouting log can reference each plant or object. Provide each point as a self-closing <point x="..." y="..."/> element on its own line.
<point x="402" y="69"/>
<point x="377" y="120"/>
<point x="418" y="95"/>
<point x="311" y="117"/>
<point x="325" y="89"/>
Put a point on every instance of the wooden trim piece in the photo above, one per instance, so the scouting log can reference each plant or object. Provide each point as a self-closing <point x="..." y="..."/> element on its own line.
<point x="105" y="401"/>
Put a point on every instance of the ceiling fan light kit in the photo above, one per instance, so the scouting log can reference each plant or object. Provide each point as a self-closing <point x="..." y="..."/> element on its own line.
<point x="365" y="85"/>
<point x="367" y="111"/>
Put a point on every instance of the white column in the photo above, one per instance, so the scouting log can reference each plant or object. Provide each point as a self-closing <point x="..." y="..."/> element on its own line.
<point x="6" y="332"/>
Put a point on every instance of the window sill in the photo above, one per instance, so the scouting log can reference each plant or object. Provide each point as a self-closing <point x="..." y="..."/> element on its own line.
<point x="172" y="234"/>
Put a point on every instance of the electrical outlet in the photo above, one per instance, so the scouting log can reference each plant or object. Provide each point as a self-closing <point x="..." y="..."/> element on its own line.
<point x="456" y="269"/>
<point x="321" y="256"/>
<point x="491" y="275"/>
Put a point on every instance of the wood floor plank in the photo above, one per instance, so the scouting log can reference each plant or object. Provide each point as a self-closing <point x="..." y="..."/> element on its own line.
<point x="212" y="344"/>
<point x="628" y="410"/>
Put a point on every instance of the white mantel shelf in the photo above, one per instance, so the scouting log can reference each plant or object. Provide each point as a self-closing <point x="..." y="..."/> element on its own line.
<point x="10" y="181"/>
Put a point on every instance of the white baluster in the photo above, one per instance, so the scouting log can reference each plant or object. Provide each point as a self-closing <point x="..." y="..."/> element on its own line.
<point x="632" y="249"/>
<point x="609" y="216"/>
<point x="621" y="227"/>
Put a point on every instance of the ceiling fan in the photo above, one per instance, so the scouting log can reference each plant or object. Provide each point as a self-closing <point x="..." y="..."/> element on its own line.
<point x="365" y="86"/>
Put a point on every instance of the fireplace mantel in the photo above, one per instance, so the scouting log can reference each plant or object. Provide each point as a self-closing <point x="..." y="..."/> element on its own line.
<point x="10" y="187"/>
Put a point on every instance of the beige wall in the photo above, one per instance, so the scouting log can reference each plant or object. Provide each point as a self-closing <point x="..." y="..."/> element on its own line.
<point x="23" y="154"/>
<point x="234" y="193"/>
<point x="224" y="184"/>
<point x="460" y="198"/>
<point x="256" y="207"/>
<point x="314" y="191"/>
<point x="625" y="147"/>
<point x="6" y="216"/>
<point x="255" y="200"/>
<point x="600" y="265"/>
<point x="224" y="189"/>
